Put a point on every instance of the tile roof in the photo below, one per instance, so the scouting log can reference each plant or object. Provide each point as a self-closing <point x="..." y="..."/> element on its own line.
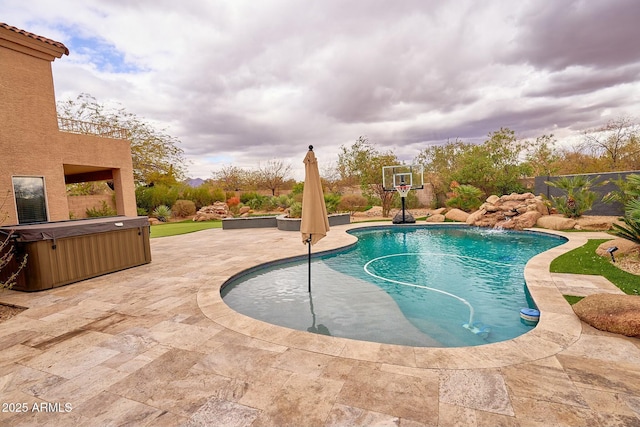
<point x="35" y="36"/>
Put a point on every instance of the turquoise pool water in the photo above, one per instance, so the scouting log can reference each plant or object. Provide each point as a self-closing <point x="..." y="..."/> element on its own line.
<point x="431" y="286"/>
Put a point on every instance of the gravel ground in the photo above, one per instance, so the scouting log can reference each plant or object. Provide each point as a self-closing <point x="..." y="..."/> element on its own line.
<point x="7" y="311"/>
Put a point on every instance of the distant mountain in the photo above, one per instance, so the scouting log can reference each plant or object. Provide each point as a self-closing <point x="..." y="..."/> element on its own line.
<point x="194" y="182"/>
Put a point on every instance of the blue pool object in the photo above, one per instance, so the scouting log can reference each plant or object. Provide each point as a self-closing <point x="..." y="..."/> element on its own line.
<point x="428" y="286"/>
<point x="478" y="328"/>
<point x="529" y="316"/>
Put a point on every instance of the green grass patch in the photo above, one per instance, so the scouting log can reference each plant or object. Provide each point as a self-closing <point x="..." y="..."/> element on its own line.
<point x="583" y="260"/>
<point x="572" y="299"/>
<point x="182" y="227"/>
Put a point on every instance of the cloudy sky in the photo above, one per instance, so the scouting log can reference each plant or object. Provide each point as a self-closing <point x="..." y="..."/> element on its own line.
<point x="244" y="82"/>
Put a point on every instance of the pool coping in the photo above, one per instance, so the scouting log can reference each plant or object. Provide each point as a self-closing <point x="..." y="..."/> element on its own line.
<point x="557" y="329"/>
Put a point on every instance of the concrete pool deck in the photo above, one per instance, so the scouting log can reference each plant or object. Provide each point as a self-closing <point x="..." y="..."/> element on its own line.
<point x="155" y="345"/>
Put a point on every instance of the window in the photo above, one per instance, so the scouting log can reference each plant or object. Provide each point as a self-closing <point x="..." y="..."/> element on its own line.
<point x="30" y="199"/>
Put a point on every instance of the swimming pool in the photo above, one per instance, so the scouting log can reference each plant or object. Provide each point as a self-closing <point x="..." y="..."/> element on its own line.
<point x="429" y="286"/>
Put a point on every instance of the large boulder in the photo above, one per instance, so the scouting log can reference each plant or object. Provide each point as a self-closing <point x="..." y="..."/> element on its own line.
<point x="520" y="222"/>
<point x="435" y="218"/>
<point x="594" y="223"/>
<point x="457" y="215"/>
<point x="556" y="222"/>
<point x="624" y="247"/>
<point x="615" y="313"/>
<point x="475" y="216"/>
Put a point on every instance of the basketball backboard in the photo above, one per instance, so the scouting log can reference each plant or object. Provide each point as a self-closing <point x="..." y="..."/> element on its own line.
<point x="393" y="176"/>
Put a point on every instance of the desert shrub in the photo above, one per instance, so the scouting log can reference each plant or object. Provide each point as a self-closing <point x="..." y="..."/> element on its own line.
<point x="331" y="201"/>
<point x="183" y="208"/>
<point x="151" y="197"/>
<point x="162" y="212"/>
<point x="218" y="195"/>
<point x="268" y="203"/>
<point x="373" y="200"/>
<point x="200" y="196"/>
<point x="256" y="203"/>
<point x="234" y="204"/>
<point x="632" y="209"/>
<point x="103" y="210"/>
<point x="298" y="188"/>
<point x="142" y="212"/>
<point x="245" y="197"/>
<point x="464" y="197"/>
<point x="233" y="201"/>
<point x="282" y="201"/>
<point x="229" y="194"/>
<point x="10" y="265"/>
<point x="630" y="231"/>
<point x="410" y="202"/>
<point x="295" y="198"/>
<point x="628" y="190"/>
<point x="352" y="203"/>
<point x="578" y="198"/>
<point x="295" y="210"/>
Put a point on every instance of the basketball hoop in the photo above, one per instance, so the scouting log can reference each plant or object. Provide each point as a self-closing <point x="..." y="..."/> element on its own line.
<point x="403" y="190"/>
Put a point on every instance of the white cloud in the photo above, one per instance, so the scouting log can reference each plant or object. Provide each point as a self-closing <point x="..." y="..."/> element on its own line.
<point x="244" y="82"/>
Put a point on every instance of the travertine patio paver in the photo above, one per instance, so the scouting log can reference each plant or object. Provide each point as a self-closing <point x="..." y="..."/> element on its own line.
<point x="156" y="345"/>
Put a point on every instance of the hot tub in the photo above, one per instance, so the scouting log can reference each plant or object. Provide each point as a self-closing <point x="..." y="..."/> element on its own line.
<point x="65" y="252"/>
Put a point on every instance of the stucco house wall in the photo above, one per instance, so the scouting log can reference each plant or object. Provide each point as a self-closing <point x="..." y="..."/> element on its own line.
<point x="31" y="143"/>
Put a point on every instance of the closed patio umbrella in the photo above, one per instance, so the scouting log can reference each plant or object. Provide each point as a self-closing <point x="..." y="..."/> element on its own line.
<point x="315" y="223"/>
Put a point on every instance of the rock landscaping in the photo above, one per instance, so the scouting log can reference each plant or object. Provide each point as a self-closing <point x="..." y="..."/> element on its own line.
<point x="219" y="210"/>
<point x="619" y="314"/>
<point x="513" y="211"/>
<point x="517" y="212"/>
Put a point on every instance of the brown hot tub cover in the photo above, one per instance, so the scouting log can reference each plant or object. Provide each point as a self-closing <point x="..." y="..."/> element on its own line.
<point x="58" y="230"/>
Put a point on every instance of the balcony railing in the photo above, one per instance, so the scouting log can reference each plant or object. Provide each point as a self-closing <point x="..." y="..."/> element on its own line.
<point x="88" y="128"/>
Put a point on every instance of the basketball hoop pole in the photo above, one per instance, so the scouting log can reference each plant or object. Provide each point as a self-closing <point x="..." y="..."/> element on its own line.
<point x="403" y="196"/>
<point x="403" y="179"/>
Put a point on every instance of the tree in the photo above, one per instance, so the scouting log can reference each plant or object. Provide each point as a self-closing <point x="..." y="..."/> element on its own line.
<point x="9" y="268"/>
<point x="273" y="175"/>
<point x="616" y="142"/>
<point x="542" y="157"/>
<point x="440" y="162"/>
<point x="231" y="178"/>
<point x="154" y="152"/>
<point x="330" y="177"/>
<point x="574" y="161"/>
<point x="363" y="163"/>
<point x="493" y="166"/>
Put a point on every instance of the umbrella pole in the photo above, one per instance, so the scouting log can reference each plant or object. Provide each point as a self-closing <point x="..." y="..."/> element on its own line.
<point x="309" y="244"/>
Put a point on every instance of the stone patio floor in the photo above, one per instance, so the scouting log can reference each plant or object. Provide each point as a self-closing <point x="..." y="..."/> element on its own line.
<point x="155" y="345"/>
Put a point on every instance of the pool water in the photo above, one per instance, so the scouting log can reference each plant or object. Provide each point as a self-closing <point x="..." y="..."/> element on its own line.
<point x="430" y="286"/>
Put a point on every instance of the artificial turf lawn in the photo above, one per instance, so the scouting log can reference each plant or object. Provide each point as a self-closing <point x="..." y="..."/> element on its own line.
<point x="183" y="227"/>
<point x="583" y="260"/>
